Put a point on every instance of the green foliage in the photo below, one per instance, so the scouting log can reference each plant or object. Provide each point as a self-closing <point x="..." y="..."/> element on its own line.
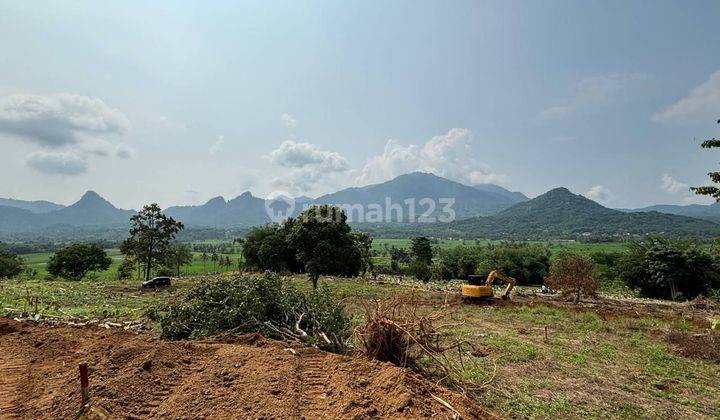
<point x="150" y="237"/>
<point x="126" y="268"/>
<point x="10" y="264"/>
<point x="420" y="270"/>
<point x="318" y="242"/>
<point x="421" y="250"/>
<point x="667" y="269"/>
<point x="711" y="190"/>
<point x="74" y="262"/>
<point x="528" y="263"/>
<point x="175" y="257"/>
<point x="268" y="304"/>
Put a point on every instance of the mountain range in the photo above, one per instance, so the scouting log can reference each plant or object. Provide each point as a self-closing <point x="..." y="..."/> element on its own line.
<point x="481" y="211"/>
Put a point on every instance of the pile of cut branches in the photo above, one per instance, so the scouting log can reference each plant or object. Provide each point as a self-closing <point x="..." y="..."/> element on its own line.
<point x="396" y="330"/>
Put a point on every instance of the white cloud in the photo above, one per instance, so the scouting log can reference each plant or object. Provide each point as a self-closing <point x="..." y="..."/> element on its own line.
<point x="600" y="194"/>
<point x="702" y="102"/>
<point x="124" y="152"/>
<point x="591" y="92"/>
<point x="672" y="185"/>
<point x="288" y="120"/>
<point x="446" y="155"/>
<point x="59" y="119"/>
<point x="291" y="154"/>
<point x="57" y="163"/>
<point x="217" y="146"/>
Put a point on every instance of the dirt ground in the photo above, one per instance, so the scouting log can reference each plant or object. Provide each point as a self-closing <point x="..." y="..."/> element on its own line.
<point x="136" y="376"/>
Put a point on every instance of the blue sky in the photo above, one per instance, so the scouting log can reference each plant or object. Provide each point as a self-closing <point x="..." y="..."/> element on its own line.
<point x="177" y="102"/>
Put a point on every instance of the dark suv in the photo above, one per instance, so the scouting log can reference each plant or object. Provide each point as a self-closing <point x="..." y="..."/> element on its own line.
<point x="156" y="282"/>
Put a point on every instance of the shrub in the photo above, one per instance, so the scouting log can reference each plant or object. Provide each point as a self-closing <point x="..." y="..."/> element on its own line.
<point x="420" y="270"/>
<point x="268" y="304"/>
<point x="75" y="261"/>
<point x="573" y="273"/>
<point x="10" y="264"/>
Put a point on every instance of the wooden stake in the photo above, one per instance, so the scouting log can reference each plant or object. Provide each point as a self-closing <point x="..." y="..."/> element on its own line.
<point x="546" y="333"/>
<point x="84" y="382"/>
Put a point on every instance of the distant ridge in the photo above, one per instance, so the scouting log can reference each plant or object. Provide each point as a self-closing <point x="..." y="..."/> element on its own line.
<point x="40" y="206"/>
<point x="484" y="211"/>
<point x="561" y="214"/>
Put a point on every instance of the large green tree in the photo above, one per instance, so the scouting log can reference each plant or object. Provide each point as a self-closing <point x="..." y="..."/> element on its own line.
<point x="150" y="237"/>
<point x="323" y="243"/>
<point x="710" y="190"/>
<point x="74" y="262"/>
<point x="176" y="256"/>
<point x="10" y="264"/>
<point x="421" y="250"/>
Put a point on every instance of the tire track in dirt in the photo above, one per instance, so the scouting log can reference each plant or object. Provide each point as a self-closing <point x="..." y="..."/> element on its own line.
<point x="12" y="370"/>
<point x="313" y="380"/>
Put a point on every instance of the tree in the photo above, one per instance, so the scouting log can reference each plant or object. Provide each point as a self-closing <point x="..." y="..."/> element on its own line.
<point x="573" y="273"/>
<point x="666" y="269"/>
<point x="176" y="256"/>
<point x="150" y="236"/>
<point x="10" y="264"/>
<point x="363" y="243"/>
<point x="710" y="190"/>
<point x="421" y="249"/>
<point x="75" y="261"/>
<point x="323" y="243"/>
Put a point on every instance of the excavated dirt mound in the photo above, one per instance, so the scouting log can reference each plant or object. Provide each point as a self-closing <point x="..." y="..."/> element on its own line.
<point x="136" y="376"/>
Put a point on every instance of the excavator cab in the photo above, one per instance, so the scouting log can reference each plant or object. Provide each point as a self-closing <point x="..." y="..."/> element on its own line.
<point x="477" y="289"/>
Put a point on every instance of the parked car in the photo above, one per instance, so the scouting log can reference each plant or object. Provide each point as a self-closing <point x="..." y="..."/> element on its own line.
<point x="156" y="282"/>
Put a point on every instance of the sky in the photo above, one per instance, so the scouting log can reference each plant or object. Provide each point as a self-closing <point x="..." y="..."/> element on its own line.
<point x="178" y="102"/>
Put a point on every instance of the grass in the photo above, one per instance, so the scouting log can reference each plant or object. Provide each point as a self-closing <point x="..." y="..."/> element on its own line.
<point x="589" y="366"/>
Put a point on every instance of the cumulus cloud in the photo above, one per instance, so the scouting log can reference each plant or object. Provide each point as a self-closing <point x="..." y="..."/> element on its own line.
<point x="591" y="92"/>
<point x="446" y="155"/>
<point x="291" y="154"/>
<point x="600" y="194"/>
<point x="124" y="152"/>
<point x="702" y="102"/>
<point x="288" y="120"/>
<point x="672" y="185"/>
<point x="60" y="119"/>
<point x="57" y="163"/>
<point x="217" y="146"/>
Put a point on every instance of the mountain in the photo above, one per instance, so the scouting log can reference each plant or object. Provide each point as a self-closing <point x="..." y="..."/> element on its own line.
<point x="469" y="201"/>
<point x="561" y="214"/>
<point x="90" y="210"/>
<point x="40" y="206"/>
<point x="513" y="195"/>
<point x="709" y="212"/>
<point x="242" y="211"/>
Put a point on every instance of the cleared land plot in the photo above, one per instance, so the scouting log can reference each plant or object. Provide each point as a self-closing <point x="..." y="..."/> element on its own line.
<point x="609" y="358"/>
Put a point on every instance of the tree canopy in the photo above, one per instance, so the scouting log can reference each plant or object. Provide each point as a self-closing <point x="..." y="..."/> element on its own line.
<point x="711" y="190"/>
<point x="10" y="264"/>
<point x="74" y="262"/>
<point x="150" y="237"/>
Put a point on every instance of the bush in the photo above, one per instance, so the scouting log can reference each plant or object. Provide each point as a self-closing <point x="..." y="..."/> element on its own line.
<point x="75" y="261"/>
<point x="573" y="273"/>
<point x="268" y="304"/>
<point x="10" y="264"/>
<point x="420" y="270"/>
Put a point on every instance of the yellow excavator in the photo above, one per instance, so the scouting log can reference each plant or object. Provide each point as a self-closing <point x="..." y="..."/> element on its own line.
<point x="477" y="289"/>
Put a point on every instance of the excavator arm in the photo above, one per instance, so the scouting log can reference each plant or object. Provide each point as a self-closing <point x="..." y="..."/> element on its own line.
<point x="495" y="274"/>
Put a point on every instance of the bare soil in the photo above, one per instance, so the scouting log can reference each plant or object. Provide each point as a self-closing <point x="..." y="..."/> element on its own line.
<point x="136" y="376"/>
